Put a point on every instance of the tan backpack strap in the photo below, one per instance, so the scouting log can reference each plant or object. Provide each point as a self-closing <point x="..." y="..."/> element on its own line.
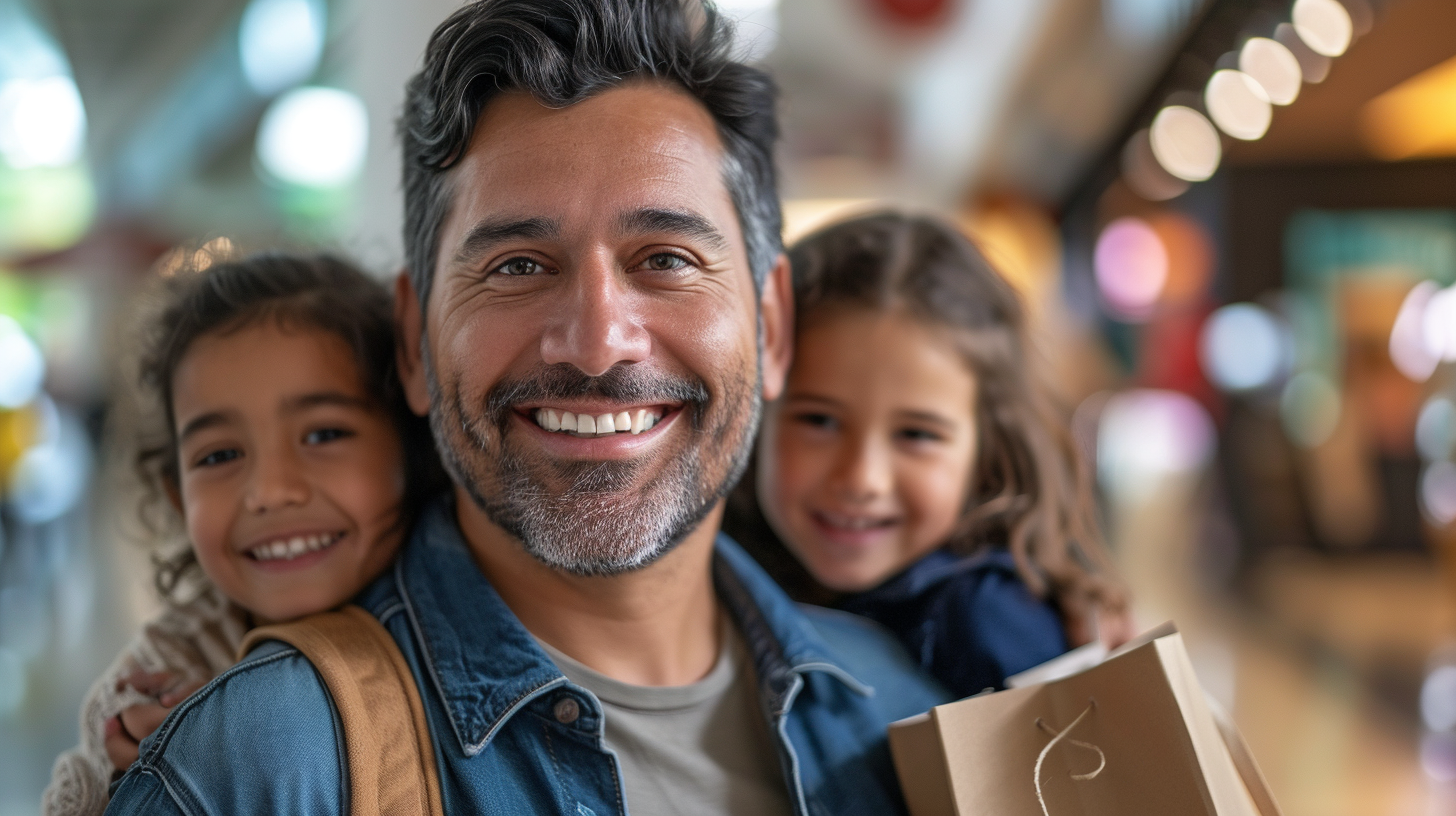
<point x="390" y="757"/>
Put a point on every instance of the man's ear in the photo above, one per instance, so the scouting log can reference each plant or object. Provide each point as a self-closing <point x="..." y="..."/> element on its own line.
<point x="409" y="320"/>
<point x="776" y="311"/>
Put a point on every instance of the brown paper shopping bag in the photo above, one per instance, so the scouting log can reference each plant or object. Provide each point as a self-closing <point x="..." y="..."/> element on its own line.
<point x="1133" y="736"/>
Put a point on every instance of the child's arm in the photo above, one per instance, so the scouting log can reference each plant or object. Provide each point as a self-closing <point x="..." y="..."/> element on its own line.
<point x="194" y="641"/>
<point x="125" y="731"/>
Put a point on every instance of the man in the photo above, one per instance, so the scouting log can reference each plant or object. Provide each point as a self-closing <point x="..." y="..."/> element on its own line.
<point x="595" y="305"/>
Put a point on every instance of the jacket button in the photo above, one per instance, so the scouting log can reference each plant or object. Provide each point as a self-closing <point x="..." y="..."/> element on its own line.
<point x="566" y="711"/>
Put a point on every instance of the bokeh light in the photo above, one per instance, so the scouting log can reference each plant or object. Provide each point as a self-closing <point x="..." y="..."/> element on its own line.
<point x="280" y="42"/>
<point x="1274" y="67"/>
<point x="1438" y="756"/>
<point x="1408" y="349"/>
<point x="1143" y="173"/>
<point x="1140" y="22"/>
<point x="1310" y="408"/>
<point x="1324" y="25"/>
<point x="1436" y="430"/>
<point x="1146" y="435"/>
<point x="1438" y="325"/>
<point x="1238" y="104"/>
<point x="1315" y="68"/>
<point x="1438" y="699"/>
<point x="1190" y="258"/>
<point x="1415" y="118"/>
<point x="1185" y="143"/>
<point x="42" y="122"/>
<point x="1438" y="493"/>
<point x="22" y="368"/>
<point x="52" y="475"/>
<point x="1242" y="347"/>
<point x="1131" y="265"/>
<point x="314" y="137"/>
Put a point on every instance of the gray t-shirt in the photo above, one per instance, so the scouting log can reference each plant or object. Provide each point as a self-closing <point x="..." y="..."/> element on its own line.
<point x="699" y="749"/>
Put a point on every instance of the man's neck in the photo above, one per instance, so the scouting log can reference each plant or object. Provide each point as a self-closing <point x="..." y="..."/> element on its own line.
<point x="655" y="626"/>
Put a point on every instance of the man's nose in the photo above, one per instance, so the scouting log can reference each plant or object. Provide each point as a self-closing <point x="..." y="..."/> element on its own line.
<point x="597" y="324"/>
<point x="864" y="470"/>
<point x="275" y="481"/>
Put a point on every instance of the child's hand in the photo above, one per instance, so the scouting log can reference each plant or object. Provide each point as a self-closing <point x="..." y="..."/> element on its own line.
<point x="125" y="731"/>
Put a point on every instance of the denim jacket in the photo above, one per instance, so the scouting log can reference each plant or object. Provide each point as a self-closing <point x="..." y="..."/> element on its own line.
<point x="264" y="737"/>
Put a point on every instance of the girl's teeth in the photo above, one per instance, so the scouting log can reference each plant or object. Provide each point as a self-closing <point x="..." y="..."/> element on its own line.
<point x="293" y="547"/>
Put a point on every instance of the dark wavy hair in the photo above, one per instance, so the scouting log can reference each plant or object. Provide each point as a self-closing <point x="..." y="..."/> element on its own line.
<point x="316" y="292"/>
<point x="1030" y="491"/>
<point x="562" y="52"/>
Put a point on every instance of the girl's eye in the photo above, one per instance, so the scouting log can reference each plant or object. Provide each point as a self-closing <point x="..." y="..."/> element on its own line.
<point x="822" y="421"/>
<point x="219" y="457"/>
<point x="325" y="435"/>
<point x="519" y="267"/>
<point x="665" y="262"/>
<point x="920" y="435"/>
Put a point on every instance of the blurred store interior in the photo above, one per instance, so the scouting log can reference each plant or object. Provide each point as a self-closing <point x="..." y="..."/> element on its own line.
<point x="1235" y="221"/>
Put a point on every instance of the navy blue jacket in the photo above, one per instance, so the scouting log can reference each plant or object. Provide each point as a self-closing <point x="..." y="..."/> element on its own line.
<point x="970" y="622"/>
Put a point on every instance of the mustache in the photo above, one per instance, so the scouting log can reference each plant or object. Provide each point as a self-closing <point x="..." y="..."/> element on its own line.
<point x="623" y="382"/>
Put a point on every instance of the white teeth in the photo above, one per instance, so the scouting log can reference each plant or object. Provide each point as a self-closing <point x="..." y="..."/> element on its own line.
<point x="634" y="422"/>
<point x="292" y="548"/>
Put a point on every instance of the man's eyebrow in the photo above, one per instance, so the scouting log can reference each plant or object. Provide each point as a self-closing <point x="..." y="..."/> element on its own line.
<point x="486" y="234"/>
<point x="210" y="419"/>
<point x="679" y="222"/>
<point x="327" y="398"/>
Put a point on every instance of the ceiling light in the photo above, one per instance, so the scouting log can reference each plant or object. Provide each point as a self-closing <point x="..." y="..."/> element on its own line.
<point x="314" y="137"/>
<point x="1185" y="143"/>
<point x="1238" y="104"/>
<point x="1274" y="67"/>
<point x="1324" y="25"/>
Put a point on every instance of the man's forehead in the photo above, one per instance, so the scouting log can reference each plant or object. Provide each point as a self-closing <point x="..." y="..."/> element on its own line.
<point x="644" y="146"/>
<point x="639" y="123"/>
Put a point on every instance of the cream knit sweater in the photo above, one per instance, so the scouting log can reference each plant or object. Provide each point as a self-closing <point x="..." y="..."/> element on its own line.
<point x="196" y="641"/>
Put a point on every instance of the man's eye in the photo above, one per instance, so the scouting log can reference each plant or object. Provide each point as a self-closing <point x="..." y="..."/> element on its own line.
<point x="665" y="262"/>
<point x="219" y="457"/>
<point x="325" y="435"/>
<point x="518" y="267"/>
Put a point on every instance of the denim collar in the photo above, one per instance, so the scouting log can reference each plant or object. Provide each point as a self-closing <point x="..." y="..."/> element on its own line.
<point x="485" y="666"/>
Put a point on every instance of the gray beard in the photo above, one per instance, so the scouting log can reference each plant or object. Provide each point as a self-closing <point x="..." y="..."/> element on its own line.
<point x="603" y="522"/>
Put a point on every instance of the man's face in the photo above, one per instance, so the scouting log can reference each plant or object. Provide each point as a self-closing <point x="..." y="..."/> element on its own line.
<point x="592" y="270"/>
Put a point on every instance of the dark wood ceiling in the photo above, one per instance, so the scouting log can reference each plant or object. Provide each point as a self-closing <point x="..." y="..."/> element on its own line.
<point x="1322" y="125"/>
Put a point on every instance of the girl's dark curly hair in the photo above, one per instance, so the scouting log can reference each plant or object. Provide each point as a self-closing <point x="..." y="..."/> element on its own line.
<point x="317" y="292"/>
<point x="1030" y="492"/>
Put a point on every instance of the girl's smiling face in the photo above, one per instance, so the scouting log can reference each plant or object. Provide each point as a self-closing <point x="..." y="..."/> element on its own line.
<point x="291" y="476"/>
<point x="865" y="464"/>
